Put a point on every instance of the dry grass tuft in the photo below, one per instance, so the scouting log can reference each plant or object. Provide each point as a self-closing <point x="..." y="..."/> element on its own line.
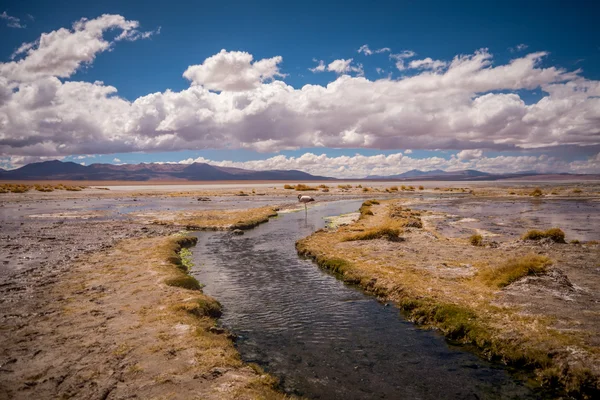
<point x="303" y="188"/>
<point x="556" y="234"/>
<point x="386" y="232"/>
<point x="476" y="240"/>
<point x="537" y="192"/>
<point x="514" y="269"/>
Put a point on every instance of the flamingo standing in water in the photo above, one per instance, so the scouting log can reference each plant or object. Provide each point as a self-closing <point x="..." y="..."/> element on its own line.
<point x="305" y="199"/>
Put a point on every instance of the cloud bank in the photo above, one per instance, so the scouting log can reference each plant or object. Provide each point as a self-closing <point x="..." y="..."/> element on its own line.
<point x="360" y="166"/>
<point x="468" y="103"/>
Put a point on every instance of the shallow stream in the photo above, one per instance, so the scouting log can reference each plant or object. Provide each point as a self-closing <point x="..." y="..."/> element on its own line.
<point x="324" y="339"/>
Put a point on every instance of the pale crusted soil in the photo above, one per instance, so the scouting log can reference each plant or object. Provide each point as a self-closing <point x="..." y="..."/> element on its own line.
<point x="110" y="329"/>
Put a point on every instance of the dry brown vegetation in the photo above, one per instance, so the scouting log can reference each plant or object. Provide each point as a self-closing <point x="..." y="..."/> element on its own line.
<point x="537" y="192"/>
<point x="555" y="234"/>
<point x="514" y="269"/>
<point x="211" y="219"/>
<point x="23" y="188"/>
<point x="440" y="283"/>
<point x="476" y="240"/>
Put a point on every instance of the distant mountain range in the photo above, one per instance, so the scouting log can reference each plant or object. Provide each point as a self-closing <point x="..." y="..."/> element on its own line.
<point x="473" y="175"/>
<point x="436" y="173"/>
<point x="58" y="170"/>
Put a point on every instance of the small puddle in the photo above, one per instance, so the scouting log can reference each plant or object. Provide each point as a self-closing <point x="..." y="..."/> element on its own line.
<point x="324" y="339"/>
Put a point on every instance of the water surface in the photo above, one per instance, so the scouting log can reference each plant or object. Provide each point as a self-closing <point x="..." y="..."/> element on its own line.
<point x="324" y="339"/>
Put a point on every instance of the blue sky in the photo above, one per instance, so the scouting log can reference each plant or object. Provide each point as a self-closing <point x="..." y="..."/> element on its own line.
<point x="191" y="32"/>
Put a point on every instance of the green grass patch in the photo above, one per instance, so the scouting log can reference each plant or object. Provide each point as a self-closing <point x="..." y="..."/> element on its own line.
<point x="185" y="282"/>
<point x="514" y="269"/>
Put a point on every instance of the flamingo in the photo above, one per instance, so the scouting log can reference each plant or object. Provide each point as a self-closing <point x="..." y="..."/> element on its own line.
<point x="305" y="199"/>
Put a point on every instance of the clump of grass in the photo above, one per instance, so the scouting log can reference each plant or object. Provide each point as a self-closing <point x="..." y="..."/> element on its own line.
<point x="556" y="234"/>
<point x="421" y="188"/>
<point x="413" y="223"/>
<point x="185" y="282"/>
<point x="14" y="188"/>
<point x="577" y="191"/>
<point x="323" y="186"/>
<point x="365" y="209"/>
<point x="344" y="187"/>
<point x="301" y="187"/>
<point x="370" y="202"/>
<point x="476" y="240"/>
<point x="177" y="247"/>
<point x="366" y="189"/>
<point x="514" y="269"/>
<point x="202" y="307"/>
<point x="455" y="321"/>
<point x="537" y="192"/>
<point x="44" y="188"/>
<point x="575" y="241"/>
<point x="394" y="188"/>
<point x="289" y="187"/>
<point x="186" y="262"/>
<point x="385" y="232"/>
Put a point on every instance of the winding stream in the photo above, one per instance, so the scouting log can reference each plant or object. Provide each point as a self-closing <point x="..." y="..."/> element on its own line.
<point x="324" y="339"/>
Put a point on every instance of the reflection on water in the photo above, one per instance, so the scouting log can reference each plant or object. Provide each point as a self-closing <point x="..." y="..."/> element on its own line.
<point x="509" y="219"/>
<point x="324" y="339"/>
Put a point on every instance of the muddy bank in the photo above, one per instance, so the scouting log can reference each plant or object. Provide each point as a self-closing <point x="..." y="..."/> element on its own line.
<point x="547" y="322"/>
<point x="86" y="311"/>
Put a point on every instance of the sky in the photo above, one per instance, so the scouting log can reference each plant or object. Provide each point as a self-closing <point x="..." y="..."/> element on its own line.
<point x="343" y="89"/>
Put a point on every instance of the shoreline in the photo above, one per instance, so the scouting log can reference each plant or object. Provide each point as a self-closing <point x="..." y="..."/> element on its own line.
<point x="122" y="320"/>
<point x="371" y="254"/>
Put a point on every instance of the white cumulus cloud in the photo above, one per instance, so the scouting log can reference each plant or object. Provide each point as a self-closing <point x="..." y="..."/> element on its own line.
<point x="344" y="66"/>
<point x="60" y="53"/>
<point x="233" y="71"/>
